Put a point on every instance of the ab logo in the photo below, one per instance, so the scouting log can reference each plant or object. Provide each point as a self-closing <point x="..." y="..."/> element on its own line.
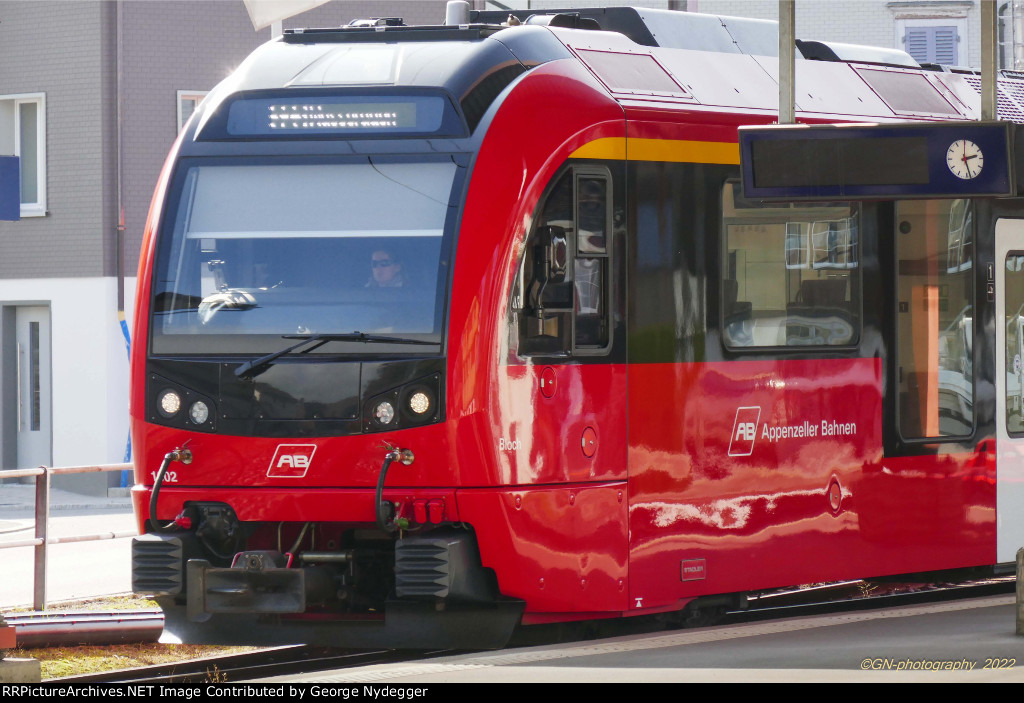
<point x="291" y="460"/>
<point x="744" y="431"/>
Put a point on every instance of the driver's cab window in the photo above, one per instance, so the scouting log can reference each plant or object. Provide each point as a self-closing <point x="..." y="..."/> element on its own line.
<point x="561" y="299"/>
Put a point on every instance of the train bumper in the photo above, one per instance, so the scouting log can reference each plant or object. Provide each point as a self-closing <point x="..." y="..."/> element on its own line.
<point x="441" y="596"/>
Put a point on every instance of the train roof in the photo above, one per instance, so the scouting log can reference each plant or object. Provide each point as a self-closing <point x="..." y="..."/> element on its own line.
<point x="655" y="58"/>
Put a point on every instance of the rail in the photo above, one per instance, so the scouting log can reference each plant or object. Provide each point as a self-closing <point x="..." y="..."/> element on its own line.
<point x="42" y="520"/>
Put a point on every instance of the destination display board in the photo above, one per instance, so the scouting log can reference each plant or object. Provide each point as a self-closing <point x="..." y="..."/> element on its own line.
<point x="358" y="115"/>
<point x="302" y="114"/>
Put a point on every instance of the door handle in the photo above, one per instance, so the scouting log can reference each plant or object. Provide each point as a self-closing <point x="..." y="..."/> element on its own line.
<point x="21" y="397"/>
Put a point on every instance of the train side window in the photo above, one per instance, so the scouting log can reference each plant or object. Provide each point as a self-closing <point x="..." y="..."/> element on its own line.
<point x="590" y="264"/>
<point x="935" y="320"/>
<point x="561" y="299"/>
<point x="791" y="274"/>
<point x="1014" y="321"/>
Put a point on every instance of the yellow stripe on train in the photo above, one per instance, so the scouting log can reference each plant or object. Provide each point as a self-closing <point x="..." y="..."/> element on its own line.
<point x="620" y="149"/>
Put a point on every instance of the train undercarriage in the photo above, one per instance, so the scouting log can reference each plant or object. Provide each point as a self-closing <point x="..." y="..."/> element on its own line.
<point x="321" y="583"/>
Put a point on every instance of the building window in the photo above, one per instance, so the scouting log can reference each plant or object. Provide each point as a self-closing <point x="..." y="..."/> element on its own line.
<point x="941" y="40"/>
<point x="23" y="134"/>
<point x="932" y="44"/>
<point x="188" y="101"/>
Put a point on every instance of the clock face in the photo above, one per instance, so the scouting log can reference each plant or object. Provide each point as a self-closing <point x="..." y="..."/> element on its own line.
<point x="964" y="159"/>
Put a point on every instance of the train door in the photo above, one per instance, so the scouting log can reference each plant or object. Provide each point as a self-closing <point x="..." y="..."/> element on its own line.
<point x="564" y="432"/>
<point x="32" y="333"/>
<point x="567" y="317"/>
<point x="1009" y="282"/>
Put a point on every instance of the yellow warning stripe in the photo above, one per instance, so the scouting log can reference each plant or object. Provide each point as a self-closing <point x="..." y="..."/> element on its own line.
<point x="619" y="149"/>
<point x="609" y="148"/>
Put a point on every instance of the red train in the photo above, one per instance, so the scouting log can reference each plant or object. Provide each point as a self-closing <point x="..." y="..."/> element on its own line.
<point x="537" y="319"/>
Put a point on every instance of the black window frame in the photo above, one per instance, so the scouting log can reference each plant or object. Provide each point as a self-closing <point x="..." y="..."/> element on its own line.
<point x="168" y="236"/>
<point x="902" y="307"/>
<point x="855" y="285"/>
<point x="518" y="299"/>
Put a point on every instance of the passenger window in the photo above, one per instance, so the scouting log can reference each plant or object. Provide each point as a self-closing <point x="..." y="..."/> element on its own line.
<point x="561" y="297"/>
<point x="791" y="273"/>
<point x="1014" y="321"/>
<point x="590" y="263"/>
<point x="935" y="321"/>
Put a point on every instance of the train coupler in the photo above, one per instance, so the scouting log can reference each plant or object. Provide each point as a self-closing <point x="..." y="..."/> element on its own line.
<point x="258" y="582"/>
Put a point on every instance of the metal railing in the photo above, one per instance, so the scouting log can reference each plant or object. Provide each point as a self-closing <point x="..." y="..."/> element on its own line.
<point x="40" y="542"/>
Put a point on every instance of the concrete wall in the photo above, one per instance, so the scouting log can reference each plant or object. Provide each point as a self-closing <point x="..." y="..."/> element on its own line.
<point x="89" y="374"/>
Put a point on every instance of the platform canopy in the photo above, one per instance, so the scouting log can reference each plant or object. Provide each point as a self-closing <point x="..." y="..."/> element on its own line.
<point x="264" y="13"/>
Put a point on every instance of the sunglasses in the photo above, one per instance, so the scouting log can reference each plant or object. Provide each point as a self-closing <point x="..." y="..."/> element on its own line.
<point x="382" y="263"/>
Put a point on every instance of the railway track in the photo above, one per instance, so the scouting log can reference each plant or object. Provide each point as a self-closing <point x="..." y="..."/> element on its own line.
<point x="96" y="627"/>
<point x="276" y="661"/>
<point x="282" y="661"/>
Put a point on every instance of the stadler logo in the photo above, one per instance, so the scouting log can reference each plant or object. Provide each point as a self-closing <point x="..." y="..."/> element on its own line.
<point x="744" y="431"/>
<point x="291" y="460"/>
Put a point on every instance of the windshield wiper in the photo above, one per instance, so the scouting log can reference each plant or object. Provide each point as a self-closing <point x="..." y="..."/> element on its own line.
<point x="253" y="368"/>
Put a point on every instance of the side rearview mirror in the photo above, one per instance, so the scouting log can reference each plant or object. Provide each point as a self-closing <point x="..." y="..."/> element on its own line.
<point x="551" y="262"/>
<point x="555" y="252"/>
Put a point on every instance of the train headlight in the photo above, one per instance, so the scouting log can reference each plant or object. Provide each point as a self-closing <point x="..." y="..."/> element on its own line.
<point x="384" y="412"/>
<point x="168" y="402"/>
<point x="411" y="405"/>
<point x="199" y="412"/>
<point x="419" y="403"/>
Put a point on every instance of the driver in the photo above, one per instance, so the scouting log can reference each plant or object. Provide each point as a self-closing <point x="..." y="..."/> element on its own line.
<point x="386" y="270"/>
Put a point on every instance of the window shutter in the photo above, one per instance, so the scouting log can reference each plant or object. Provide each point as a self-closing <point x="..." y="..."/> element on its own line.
<point x="945" y="45"/>
<point x="932" y="44"/>
<point x="917" y="43"/>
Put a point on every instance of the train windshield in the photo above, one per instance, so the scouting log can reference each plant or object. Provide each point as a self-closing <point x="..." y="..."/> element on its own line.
<point x="259" y="252"/>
